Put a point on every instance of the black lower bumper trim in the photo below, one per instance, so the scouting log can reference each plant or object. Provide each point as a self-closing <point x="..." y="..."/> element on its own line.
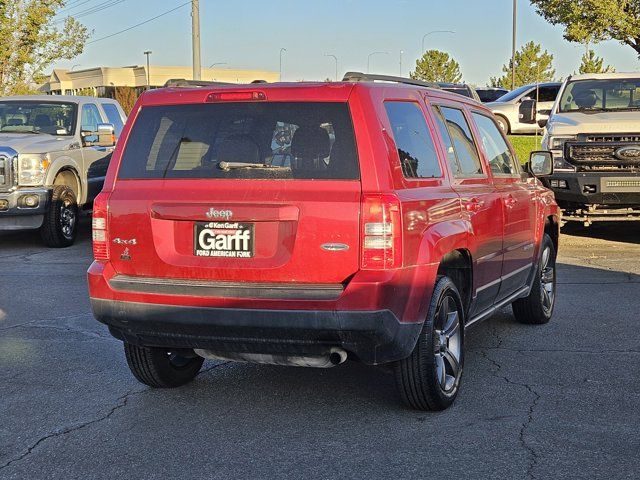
<point x="374" y="337"/>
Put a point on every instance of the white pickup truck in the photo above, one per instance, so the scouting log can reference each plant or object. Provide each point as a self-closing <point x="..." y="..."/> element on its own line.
<point x="49" y="148"/>
<point x="594" y="133"/>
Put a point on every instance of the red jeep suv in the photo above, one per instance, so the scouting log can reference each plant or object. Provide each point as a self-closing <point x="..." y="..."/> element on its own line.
<point x="310" y="223"/>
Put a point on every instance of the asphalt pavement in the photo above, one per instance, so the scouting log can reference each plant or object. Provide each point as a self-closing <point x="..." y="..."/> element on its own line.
<point x="555" y="401"/>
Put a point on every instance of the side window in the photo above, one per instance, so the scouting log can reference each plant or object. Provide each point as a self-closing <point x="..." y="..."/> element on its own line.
<point x="113" y="114"/>
<point x="416" y="149"/>
<point x="548" y="94"/>
<point x="90" y="117"/>
<point x="448" y="145"/>
<point x="495" y="147"/>
<point x="463" y="144"/>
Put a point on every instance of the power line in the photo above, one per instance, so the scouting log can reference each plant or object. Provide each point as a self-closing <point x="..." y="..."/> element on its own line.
<point x="140" y="24"/>
<point x="95" y="9"/>
<point x="73" y="5"/>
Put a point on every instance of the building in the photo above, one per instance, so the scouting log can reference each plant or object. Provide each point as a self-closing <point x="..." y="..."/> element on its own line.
<point x="102" y="81"/>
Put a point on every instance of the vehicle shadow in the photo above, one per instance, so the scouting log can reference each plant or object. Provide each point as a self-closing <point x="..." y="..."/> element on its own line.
<point x="20" y="240"/>
<point x="627" y="232"/>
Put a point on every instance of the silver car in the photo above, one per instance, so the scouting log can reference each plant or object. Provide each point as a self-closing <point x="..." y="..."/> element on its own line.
<point x="506" y="108"/>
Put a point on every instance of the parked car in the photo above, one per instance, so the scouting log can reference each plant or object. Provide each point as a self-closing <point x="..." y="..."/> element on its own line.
<point x="490" y="94"/>
<point x="461" y="89"/>
<point x="594" y="134"/>
<point x="307" y="224"/>
<point x="47" y="147"/>
<point x="507" y="108"/>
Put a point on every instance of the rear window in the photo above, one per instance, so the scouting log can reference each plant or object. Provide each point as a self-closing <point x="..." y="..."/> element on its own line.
<point x="257" y="140"/>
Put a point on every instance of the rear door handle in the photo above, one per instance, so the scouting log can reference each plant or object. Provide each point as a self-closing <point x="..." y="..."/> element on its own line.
<point x="510" y="201"/>
<point x="473" y="204"/>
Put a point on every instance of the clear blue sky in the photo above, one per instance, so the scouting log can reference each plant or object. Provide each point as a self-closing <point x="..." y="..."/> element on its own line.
<point x="250" y="33"/>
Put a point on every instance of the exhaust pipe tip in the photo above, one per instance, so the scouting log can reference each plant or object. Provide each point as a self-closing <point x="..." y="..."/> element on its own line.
<point x="337" y="356"/>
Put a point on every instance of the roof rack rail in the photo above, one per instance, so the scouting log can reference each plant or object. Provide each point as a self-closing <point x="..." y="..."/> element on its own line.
<point x="370" y="77"/>
<point x="182" y="82"/>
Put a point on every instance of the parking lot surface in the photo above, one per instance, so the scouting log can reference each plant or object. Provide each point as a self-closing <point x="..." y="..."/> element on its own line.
<point x="554" y="401"/>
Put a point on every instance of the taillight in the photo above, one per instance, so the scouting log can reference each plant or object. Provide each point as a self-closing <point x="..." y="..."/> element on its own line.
<point x="100" y="227"/>
<point x="381" y="232"/>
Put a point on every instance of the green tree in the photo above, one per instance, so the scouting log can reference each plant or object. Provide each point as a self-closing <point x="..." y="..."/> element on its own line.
<point x="532" y="66"/>
<point x="591" y="63"/>
<point x="437" y="66"/>
<point x="31" y="42"/>
<point x="595" y="20"/>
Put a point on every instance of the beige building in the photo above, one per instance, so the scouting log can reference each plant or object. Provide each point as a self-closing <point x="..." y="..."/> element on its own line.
<point x="101" y="81"/>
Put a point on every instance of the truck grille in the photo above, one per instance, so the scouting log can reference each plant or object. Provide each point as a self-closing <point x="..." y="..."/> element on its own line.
<point x="595" y="152"/>
<point x="5" y="172"/>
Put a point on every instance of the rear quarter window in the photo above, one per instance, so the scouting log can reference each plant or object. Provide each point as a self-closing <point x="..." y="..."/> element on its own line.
<point x="289" y="140"/>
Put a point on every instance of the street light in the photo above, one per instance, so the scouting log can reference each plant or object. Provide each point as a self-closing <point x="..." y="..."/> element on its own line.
<point x="77" y="65"/>
<point x="282" y="50"/>
<point x="148" y="54"/>
<point x="513" y="45"/>
<point x="336" y="60"/>
<point x="432" y="32"/>
<point x="371" y="55"/>
<point x="401" y="52"/>
<point x="217" y="63"/>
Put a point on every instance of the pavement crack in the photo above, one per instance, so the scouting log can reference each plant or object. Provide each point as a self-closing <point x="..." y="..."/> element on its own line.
<point x="59" y="432"/>
<point x="522" y="437"/>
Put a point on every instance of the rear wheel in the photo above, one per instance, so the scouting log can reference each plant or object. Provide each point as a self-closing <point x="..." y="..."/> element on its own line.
<point x="161" y="367"/>
<point x="429" y="378"/>
<point x="60" y="221"/>
<point x="503" y="123"/>
<point x="537" y="308"/>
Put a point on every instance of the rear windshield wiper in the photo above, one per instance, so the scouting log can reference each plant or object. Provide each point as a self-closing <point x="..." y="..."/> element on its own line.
<point x="226" y="166"/>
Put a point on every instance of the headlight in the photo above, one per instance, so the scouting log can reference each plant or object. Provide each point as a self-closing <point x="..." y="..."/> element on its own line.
<point x="557" y="143"/>
<point x="32" y="169"/>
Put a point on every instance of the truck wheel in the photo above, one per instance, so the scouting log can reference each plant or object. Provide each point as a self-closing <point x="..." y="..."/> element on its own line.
<point x="429" y="378"/>
<point x="161" y="367"/>
<point x="60" y="221"/>
<point x="537" y="308"/>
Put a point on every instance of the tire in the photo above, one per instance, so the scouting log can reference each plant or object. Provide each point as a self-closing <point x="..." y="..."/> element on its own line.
<point x="537" y="308"/>
<point x="503" y="123"/>
<point x="429" y="379"/>
<point x="60" y="223"/>
<point x="160" y="367"/>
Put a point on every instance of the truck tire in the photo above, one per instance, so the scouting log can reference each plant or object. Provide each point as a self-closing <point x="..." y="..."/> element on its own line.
<point x="59" y="227"/>
<point x="429" y="379"/>
<point x="537" y="308"/>
<point x="160" y="367"/>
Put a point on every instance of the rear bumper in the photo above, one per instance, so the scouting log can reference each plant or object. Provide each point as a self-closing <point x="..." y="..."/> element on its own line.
<point x="14" y="215"/>
<point x="374" y="337"/>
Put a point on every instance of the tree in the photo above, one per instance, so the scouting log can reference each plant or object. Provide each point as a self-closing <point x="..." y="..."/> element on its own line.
<point x="437" y="66"/>
<point x="595" y="20"/>
<point x="126" y="97"/>
<point x="591" y="63"/>
<point x="532" y="66"/>
<point x="31" y="42"/>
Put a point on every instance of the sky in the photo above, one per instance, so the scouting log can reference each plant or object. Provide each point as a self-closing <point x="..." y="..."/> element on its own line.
<point x="250" y="34"/>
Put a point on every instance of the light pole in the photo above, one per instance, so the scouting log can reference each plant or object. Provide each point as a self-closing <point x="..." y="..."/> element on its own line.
<point x="148" y="54"/>
<point x="432" y="32"/>
<point x="513" y="45"/>
<point x="282" y="50"/>
<point x="371" y="55"/>
<point x="76" y="65"/>
<point x="217" y="63"/>
<point x="195" y="39"/>
<point x="336" y="60"/>
<point x="401" y="52"/>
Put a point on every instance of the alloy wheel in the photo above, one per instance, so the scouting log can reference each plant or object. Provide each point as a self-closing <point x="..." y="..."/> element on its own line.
<point x="448" y="344"/>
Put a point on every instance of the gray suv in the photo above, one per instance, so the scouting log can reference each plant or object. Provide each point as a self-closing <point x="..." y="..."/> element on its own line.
<point x="506" y="108"/>
<point x="48" y="145"/>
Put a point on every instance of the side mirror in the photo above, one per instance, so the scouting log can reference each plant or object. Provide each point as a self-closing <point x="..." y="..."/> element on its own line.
<point x="106" y="135"/>
<point x="541" y="164"/>
<point x="527" y="111"/>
